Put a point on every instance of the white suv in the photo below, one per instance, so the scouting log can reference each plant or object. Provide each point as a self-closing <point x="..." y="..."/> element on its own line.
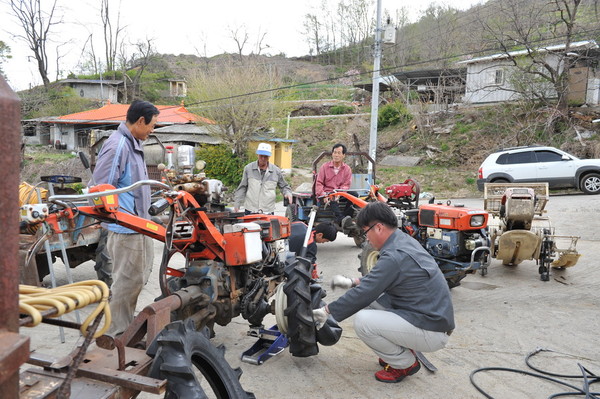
<point x="540" y="164"/>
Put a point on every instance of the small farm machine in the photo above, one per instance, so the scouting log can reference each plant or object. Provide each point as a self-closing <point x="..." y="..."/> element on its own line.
<point x="519" y="230"/>
<point x="454" y="235"/>
<point x="404" y="195"/>
<point x="230" y="264"/>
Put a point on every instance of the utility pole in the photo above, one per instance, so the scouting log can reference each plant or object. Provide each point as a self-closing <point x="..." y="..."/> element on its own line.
<point x="375" y="93"/>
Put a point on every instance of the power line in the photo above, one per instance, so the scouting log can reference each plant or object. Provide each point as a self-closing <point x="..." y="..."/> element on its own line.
<point x="388" y="69"/>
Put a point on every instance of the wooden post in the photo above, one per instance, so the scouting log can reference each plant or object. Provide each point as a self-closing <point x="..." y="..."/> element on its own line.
<point x="14" y="349"/>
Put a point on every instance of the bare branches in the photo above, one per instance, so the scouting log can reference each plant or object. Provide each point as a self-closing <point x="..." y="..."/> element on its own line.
<point x="223" y="94"/>
<point x="348" y="24"/>
<point x="145" y="51"/>
<point x="36" y="24"/>
<point x="240" y="36"/>
<point x="111" y="36"/>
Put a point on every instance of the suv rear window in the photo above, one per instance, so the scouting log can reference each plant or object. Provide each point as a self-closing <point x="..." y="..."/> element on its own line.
<point x="516" y="157"/>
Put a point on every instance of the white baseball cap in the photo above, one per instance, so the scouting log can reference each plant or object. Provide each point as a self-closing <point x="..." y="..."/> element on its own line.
<point x="264" y="149"/>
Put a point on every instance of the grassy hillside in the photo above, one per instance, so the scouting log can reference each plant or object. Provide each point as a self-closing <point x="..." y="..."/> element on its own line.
<point x="451" y="145"/>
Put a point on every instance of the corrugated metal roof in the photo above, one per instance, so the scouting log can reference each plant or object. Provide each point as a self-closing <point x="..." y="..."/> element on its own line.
<point x="92" y="81"/>
<point x="575" y="46"/>
<point x="188" y="128"/>
<point x="191" y="138"/>
<point x="186" y="133"/>
<point x="169" y="114"/>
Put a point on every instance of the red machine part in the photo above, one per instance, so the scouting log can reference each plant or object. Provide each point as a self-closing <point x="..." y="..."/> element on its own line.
<point x="409" y="189"/>
<point x="110" y="203"/>
<point x="451" y="217"/>
<point x="398" y="190"/>
<point x="272" y="227"/>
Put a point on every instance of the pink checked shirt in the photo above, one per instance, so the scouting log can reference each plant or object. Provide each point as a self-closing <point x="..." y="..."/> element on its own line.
<point x="327" y="180"/>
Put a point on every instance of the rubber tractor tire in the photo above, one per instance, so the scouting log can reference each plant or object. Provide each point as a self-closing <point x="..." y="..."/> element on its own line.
<point x="301" y="330"/>
<point x="368" y="258"/>
<point x="191" y="363"/>
<point x="331" y="332"/>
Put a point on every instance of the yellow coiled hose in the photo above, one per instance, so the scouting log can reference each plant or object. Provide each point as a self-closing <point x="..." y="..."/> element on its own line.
<point x="34" y="300"/>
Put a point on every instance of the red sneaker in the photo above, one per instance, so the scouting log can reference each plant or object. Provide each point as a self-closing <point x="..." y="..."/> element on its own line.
<point x="382" y="362"/>
<point x="392" y="375"/>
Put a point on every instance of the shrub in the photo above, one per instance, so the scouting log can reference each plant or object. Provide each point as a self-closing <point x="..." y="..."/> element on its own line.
<point x="221" y="164"/>
<point x="393" y="114"/>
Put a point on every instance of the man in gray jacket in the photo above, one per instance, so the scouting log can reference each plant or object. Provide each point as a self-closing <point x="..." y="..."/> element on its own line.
<point x="256" y="192"/>
<point x="121" y="163"/>
<point x="402" y="305"/>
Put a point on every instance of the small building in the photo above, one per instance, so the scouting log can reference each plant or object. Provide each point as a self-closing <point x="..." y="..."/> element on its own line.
<point x="177" y="87"/>
<point x="74" y="131"/>
<point x="494" y="78"/>
<point x="434" y="86"/>
<point x="95" y="89"/>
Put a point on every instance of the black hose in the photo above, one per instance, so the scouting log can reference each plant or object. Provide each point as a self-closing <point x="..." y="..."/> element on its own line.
<point x="545" y="375"/>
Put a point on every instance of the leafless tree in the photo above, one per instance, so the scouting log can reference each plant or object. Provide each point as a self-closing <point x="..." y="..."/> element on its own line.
<point x="236" y="97"/>
<point x="335" y="32"/>
<point x="312" y="28"/>
<point x="36" y="24"/>
<point x="240" y="36"/>
<point x="111" y="35"/>
<point x="260" y="42"/>
<point x="139" y="61"/>
<point x="87" y="59"/>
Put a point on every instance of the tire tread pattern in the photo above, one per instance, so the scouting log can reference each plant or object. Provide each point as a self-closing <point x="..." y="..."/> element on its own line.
<point x="178" y="349"/>
<point x="301" y="326"/>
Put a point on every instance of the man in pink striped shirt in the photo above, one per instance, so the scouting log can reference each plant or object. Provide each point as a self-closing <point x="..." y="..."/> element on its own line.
<point x="335" y="175"/>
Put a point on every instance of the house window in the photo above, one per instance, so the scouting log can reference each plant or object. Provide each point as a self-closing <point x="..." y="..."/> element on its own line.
<point x="29" y="130"/>
<point x="498" y="76"/>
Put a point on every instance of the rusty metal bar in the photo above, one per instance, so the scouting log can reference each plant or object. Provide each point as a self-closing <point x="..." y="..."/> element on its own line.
<point x="15" y="349"/>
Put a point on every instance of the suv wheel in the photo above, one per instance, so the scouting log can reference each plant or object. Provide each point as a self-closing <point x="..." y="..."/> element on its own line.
<point x="590" y="183"/>
<point x="500" y="181"/>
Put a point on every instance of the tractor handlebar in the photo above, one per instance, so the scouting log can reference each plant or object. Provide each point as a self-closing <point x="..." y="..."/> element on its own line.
<point x="58" y="199"/>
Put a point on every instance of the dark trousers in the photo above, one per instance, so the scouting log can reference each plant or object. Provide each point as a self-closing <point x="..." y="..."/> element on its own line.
<point x="336" y="206"/>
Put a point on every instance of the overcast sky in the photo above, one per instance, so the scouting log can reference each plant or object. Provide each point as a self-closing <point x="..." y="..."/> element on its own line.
<point x="178" y="27"/>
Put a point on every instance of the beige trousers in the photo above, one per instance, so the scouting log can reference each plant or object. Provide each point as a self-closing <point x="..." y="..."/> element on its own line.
<point x="392" y="338"/>
<point x="132" y="256"/>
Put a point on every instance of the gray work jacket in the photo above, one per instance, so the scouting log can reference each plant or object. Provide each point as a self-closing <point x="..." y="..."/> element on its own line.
<point x="256" y="192"/>
<point x="412" y="285"/>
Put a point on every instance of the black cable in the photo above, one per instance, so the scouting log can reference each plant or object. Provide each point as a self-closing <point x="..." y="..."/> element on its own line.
<point x="530" y="355"/>
<point x="585" y="374"/>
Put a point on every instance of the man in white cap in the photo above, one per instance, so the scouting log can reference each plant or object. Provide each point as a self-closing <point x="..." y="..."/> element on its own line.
<point x="256" y="192"/>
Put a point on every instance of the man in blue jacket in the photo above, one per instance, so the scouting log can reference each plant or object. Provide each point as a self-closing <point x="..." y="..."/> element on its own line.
<point x="121" y="163"/>
<point x="402" y="305"/>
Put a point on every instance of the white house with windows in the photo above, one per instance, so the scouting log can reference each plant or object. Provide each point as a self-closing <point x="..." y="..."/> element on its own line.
<point x="98" y="89"/>
<point x="495" y="78"/>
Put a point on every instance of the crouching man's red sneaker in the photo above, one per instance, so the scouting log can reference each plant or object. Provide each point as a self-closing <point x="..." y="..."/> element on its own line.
<point x="390" y="374"/>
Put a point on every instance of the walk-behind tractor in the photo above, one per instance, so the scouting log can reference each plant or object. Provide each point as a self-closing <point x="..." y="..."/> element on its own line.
<point x="519" y="230"/>
<point x="231" y="264"/>
<point x="455" y="236"/>
<point x="403" y="195"/>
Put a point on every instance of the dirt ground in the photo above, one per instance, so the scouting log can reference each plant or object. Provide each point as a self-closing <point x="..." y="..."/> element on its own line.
<point x="500" y="318"/>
